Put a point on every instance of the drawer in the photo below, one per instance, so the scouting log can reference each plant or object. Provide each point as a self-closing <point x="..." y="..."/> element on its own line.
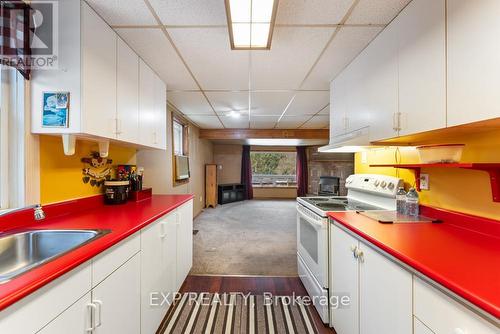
<point x="33" y="312"/>
<point x="443" y="315"/>
<point x="104" y="264"/>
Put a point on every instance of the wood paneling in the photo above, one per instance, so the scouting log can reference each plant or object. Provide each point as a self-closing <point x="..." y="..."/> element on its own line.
<point x="228" y="134"/>
<point x="210" y="185"/>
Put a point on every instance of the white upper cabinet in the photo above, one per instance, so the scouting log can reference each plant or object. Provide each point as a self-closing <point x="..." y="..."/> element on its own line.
<point x="98" y="75"/>
<point x="127" y="114"/>
<point x="383" y="85"/>
<point x="422" y="66"/>
<point x="147" y="105"/>
<point x="101" y="73"/>
<point x="338" y="106"/>
<point x="473" y="60"/>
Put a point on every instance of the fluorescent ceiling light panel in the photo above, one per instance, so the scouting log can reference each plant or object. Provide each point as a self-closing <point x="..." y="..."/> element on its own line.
<point x="251" y="23"/>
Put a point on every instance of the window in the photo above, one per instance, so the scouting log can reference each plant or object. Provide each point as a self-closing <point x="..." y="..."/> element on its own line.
<point x="12" y="134"/>
<point x="178" y="130"/>
<point x="180" y="151"/>
<point x="274" y="169"/>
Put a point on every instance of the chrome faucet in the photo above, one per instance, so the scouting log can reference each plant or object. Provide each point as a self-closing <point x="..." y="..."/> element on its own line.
<point x="38" y="212"/>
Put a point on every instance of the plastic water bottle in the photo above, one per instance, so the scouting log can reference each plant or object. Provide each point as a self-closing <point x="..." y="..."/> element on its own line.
<point x="412" y="208"/>
<point x="401" y="200"/>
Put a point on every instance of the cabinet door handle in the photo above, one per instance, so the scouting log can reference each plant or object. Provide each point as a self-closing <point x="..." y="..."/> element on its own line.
<point x="162" y="230"/>
<point x="91" y="310"/>
<point x="354" y="250"/>
<point x="98" y="313"/>
<point x="360" y="255"/>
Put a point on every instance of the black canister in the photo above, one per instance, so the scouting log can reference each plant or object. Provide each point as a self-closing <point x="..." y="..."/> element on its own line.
<point x="116" y="191"/>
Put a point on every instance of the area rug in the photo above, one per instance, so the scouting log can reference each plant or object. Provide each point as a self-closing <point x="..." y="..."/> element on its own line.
<point x="239" y="313"/>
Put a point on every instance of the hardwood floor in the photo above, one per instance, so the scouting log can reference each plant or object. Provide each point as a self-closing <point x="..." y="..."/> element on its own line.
<point x="254" y="285"/>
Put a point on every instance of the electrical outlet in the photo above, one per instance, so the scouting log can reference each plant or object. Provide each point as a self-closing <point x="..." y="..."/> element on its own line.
<point x="201" y="198"/>
<point x="424" y="181"/>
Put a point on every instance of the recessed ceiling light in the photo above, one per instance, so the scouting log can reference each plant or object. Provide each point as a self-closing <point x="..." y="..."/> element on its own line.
<point x="251" y="23"/>
<point x="234" y="114"/>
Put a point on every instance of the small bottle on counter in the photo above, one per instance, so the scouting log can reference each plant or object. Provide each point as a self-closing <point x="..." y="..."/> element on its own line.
<point x="401" y="200"/>
<point x="412" y="208"/>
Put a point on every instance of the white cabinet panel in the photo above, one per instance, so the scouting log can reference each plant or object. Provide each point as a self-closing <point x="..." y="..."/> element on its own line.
<point x="161" y="113"/>
<point x="98" y="74"/>
<point x="158" y="268"/>
<point x="420" y="328"/>
<point x="473" y="60"/>
<point x="338" y="106"/>
<point x="127" y="101"/>
<point x="184" y="241"/>
<point x="383" y="84"/>
<point x="422" y="66"/>
<point x="344" y="281"/>
<point x="47" y="303"/>
<point x="75" y="320"/>
<point x="107" y="262"/>
<point x="147" y="106"/>
<point x="118" y="300"/>
<point x="385" y="291"/>
<point x="443" y="315"/>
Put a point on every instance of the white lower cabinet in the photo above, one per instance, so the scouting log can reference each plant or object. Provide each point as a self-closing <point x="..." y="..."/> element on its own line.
<point x="380" y="291"/>
<point x="443" y="315"/>
<point x="111" y="294"/>
<point x="117" y="300"/>
<point x="158" y="270"/>
<point x="385" y="295"/>
<point x="76" y="319"/>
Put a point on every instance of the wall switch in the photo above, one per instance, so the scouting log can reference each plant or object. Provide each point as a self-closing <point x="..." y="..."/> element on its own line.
<point x="201" y="199"/>
<point x="424" y="181"/>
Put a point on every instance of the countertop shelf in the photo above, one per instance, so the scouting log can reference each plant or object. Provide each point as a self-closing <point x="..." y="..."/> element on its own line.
<point x="493" y="170"/>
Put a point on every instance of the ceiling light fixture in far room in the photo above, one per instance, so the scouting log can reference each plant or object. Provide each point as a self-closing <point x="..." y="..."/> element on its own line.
<point x="251" y="23"/>
<point x="234" y="114"/>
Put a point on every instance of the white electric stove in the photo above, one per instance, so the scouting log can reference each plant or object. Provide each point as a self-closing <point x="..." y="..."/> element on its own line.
<point x="366" y="192"/>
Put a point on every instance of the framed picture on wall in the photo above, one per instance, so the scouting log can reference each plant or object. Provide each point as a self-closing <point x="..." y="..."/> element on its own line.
<point x="55" y="110"/>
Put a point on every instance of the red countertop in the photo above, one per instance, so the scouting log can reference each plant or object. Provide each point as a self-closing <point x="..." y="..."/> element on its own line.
<point x="123" y="221"/>
<point x="462" y="253"/>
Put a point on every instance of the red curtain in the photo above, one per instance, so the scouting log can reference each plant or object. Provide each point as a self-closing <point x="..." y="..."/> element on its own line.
<point x="15" y="47"/>
<point x="246" y="171"/>
<point x="301" y="171"/>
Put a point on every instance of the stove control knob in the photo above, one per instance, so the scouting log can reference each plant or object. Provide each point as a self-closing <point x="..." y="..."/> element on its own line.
<point x="390" y="186"/>
<point x="383" y="184"/>
<point x="377" y="182"/>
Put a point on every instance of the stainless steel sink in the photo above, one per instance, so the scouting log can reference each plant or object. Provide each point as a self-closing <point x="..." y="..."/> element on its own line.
<point x="23" y="251"/>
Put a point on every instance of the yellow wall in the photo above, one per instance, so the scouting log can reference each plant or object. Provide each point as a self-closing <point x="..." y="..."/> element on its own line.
<point x="456" y="189"/>
<point x="61" y="175"/>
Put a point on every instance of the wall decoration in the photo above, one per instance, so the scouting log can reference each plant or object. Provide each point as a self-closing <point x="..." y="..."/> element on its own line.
<point x="96" y="170"/>
<point x="55" y="109"/>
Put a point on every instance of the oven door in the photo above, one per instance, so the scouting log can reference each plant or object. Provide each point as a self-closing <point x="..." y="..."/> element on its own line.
<point x="312" y="243"/>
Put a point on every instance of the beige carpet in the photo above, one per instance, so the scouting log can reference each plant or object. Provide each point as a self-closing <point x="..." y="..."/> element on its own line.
<point x="256" y="237"/>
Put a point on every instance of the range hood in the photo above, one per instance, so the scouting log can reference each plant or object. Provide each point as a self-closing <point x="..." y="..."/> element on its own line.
<point x="351" y="142"/>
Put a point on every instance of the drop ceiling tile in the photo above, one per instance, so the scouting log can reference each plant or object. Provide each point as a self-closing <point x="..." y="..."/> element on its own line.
<point x="376" y="11"/>
<point x="123" y="12"/>
<point x="308" y="103"/>
<point x="293" y="53"/>
<point x="263" y="122"/>
<point x="346" y="45"/>
<point x="206" y="122"/>
<point x="225" y="102"/>
<point x="312" y="11"/>
<point x="190" y="103"/>
<point x="235" y="123"/>
<point x="269" y="103"/>
<point x="209" y="55"/>
<point x="325" y="111"/>
<point x="317" y="122"/>
<point x="190" y="12"/>
<point x="292" y="122"/>
<point x="157" y="52"/>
